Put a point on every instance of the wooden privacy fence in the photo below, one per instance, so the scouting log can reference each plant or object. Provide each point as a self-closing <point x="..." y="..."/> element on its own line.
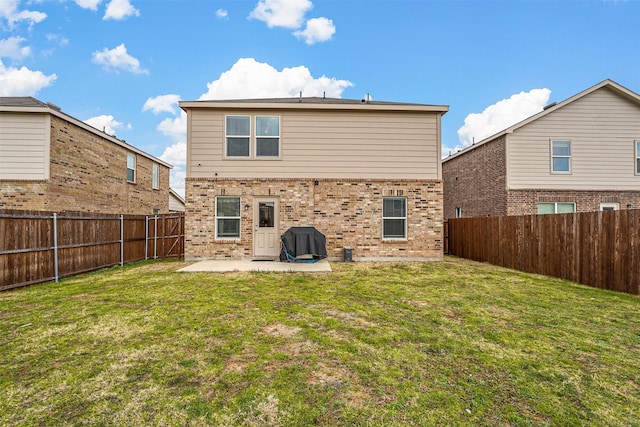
<point x="599" y="249"/>
<point x="40" y="246"/>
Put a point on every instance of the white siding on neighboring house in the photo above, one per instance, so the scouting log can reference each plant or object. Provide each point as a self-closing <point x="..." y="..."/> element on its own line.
<point x="602" y="127"/>
<point x="24" y="146"/>
<point x="324" y="144"/>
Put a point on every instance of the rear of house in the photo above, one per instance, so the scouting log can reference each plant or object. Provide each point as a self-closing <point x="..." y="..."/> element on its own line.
<point x="365" y="174"/>
<point x="51" y="161"/>
<point x="580" y="155"/>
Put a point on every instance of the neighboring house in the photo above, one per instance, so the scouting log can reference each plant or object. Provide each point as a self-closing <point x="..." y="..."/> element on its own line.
<point x="176" y="202"/>
<point x="366" y="174"/>
<point x="582" y="154"/>
<point x="54" y="162"/>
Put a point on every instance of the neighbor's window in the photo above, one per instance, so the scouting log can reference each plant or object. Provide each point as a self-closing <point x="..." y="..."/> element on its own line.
<point x="561" y="156"/>
<point x="637" y="157"/>
<point x="556" y="207"/>
<point x="227" y="217"/>
<point x="155" y="178"/>
<point x="238" y="136"/>
<point x="458" y="212"/>
<point x="394" y="218"/>
<point x="612" y="206"/>
<point x="267" y="136"/>
<point x="131" y="167"/>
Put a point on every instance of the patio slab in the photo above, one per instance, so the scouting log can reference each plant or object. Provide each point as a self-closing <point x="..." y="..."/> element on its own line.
<point x="224" y="266"/>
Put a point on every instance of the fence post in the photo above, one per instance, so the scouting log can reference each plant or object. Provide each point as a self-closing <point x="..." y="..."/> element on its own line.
<point x="55" y="246"/>
<point x="146" y="237"/>
<point x="155" y="239"/>
<point x="121" y="240"/>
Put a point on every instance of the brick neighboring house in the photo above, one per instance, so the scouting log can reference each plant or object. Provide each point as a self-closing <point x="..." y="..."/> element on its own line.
<point x="582" y="154"/>
<point x="54" y="162"/>
<point x="366" y="174"/>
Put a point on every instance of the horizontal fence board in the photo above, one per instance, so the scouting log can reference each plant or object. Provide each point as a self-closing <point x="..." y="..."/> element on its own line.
<point x="599" y="249"/>
<point x="85" y="242"/>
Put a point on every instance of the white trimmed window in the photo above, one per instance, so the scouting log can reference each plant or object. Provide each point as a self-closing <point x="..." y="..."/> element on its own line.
<point x="459" y="213"/>
<point x="131" y="167"/>
<point x="556" y="207"/>
<point x="560" y="156"/>
<point x="267" y="136"/>
<point x="155" y="177"/>
<point x="609" y="206"/>
<point x="637" y="157"/>
<point x="227" y="217"/>
<point x="238" y="136"/>
<point x="394" y="218"/>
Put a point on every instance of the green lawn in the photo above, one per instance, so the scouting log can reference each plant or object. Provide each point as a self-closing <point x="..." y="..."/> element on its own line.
<point x="371" y="344"/>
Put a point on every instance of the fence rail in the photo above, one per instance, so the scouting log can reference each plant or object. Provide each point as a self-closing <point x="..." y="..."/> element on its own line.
<point x="40" y="246"/>
<point x="599" y="249"/>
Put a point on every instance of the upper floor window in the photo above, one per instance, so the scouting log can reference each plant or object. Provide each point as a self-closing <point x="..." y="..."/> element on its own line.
<point x="561" y="156"/>
<point x="131" y="167"/>
<point x="394" y="218"/>
<point x="637" y="157"/>
<point x="556" y="207"/>
<point x="155" y="177"/>
<point x="238" y="136"/>
<point x="267" y="136"/>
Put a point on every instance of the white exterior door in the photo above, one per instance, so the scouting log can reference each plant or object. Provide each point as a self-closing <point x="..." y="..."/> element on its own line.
<point x="266" y="236"/>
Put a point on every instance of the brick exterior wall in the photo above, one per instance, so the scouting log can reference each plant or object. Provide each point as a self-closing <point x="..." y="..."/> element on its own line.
<point x="347" y="212"/>
<point x="525" y="202"/>
<point x="476" y="181"/>
<point x="88" y="173"/>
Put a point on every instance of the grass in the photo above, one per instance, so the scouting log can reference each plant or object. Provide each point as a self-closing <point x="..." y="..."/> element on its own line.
<point x="394" y="344"/>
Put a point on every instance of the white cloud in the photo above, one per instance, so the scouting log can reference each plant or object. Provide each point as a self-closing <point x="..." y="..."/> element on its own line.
<point x="162" y="103"/>
<point x="88" y="4"/>
<point x="175" y="128"/>
<point x="248" y="78"/>
<point x="118" y="59"/>
<point x="176" y="154"/>
<point x="501" y="115"/>
<point x="9" y="11"/>
<point x="222" y="14"/>
<point x="317" y="30"/>
<point x="106" y="123"/>
<point x="22" y="81"/>
<point x="10" y="48"/>
<point x="281" y="13"/>
<point x="120" y="9"/>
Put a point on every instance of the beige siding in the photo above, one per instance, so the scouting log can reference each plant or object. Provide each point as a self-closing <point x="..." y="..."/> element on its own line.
<point x="24" y="146"/>
<point x="324" y="144"/>
<point x="601" y="126"/>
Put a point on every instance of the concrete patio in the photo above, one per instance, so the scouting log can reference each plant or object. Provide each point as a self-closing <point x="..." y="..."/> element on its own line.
<point x="224" y="266"/>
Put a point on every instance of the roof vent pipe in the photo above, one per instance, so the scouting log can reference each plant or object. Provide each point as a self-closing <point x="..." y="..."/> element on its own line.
<point x="300" y="100"/>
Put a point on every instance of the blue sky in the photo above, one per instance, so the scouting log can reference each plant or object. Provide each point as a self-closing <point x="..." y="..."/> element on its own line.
<point x="122" y="65"/>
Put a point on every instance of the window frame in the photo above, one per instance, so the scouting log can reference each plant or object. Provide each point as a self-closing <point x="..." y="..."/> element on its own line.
<point x="257" y="138"/>
<point x="134" y="170"/>
<point x="155" y="176"/>
<point x="227" y="136"/>
<point x="559" y="156"/>
<point x="637" y="157"/>
<point x="459" y="212"/>
<point x="555" y="207"/>
<point x="609" y="206"/>
<point x="405" y="218"/>
<point x="223" y="218"/>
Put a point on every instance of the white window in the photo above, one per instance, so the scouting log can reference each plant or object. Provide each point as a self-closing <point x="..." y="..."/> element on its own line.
<point x="131" y="167"/>
<point x="267" y="136"/>
<point x="458" y="212"/>
<point x="609" y="206"/>
<point x="637" y="157"/>
<point x="227" y="217"/>
<point x="238" y="136"/>
<point x="561" y="156"/>
<point x="556" y="207"/>
<point x="155" y="178"/>
<point x="394" y="218"/>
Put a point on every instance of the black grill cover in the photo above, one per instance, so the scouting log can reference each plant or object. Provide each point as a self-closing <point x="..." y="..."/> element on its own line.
<point x="299" y="241"/>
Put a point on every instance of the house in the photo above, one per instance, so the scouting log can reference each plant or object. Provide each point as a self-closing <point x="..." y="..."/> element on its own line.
<point x="176" y="202"/>
<point x="582" y="154"/>
<point x="366" y="174"/>
<point x="54" y="162"/>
